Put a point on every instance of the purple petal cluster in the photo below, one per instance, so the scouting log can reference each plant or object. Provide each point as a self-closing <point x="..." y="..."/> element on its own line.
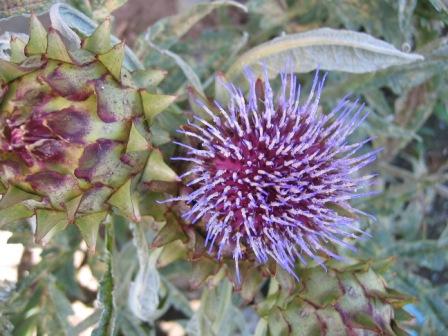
<point x="272" y="176"/>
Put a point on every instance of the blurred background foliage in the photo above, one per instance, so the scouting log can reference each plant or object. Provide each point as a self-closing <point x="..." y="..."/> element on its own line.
<point x="408" y="107"/>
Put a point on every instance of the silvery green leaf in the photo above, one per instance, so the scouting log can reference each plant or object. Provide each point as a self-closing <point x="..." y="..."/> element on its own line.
<point x="443" y="239"/>
<point x="216" y="315"/>
<point x="185" y="67"/>
<point x="166" y="32"/>
<point x="262" y="328"/>
<point x="53" y="312"/>
<point x="131" y="325"/>
<point x="125" y="264"/>
<point x="405" y="14"/>
<point x="232" y="51"/>
<point x="430" y="300"/>
<point x="440" y="5"/>
<point x="324" y="48"/>
<point x="62" y="308"/>
<point x="401" y="78"/>
<point x="357" y="15"/>
<point x="89" y="321"/>
<point x="177" y="298"/>
<point x="6" y="327"/>
<point x="213" y="311"/>
<point x="273" y="13"/>
<point x="426" y="253"/>
<point x="143" y="299"/>
<point x="6" y="292"/>
<point x="411" y="115"/>
<point x="169" y="30"/>
<point x="103" y="8"/>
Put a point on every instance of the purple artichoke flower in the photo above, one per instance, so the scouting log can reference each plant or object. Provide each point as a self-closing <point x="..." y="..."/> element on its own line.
<point x="273" y="176"/>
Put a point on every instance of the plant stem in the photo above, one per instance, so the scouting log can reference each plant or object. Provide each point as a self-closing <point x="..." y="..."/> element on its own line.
<point x="107" y="321"/>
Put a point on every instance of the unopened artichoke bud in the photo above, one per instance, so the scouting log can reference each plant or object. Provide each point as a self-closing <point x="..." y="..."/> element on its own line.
<point x="344" y="300"/>
<point x="74" y="130"/>
<point x="270" y="176"/>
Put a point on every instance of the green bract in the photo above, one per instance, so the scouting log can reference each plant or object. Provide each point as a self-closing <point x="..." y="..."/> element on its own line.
<point x="74" y="131"/>
<point x="345" y="300"/>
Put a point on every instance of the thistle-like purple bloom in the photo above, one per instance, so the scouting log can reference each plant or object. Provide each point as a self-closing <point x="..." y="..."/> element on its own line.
<point x="272" y="177"/>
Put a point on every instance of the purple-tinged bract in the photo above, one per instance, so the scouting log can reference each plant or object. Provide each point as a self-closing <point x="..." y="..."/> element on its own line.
<point x="273" y="176"/>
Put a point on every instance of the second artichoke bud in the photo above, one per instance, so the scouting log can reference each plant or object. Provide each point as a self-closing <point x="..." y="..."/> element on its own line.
<point x="74" y="131"/>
